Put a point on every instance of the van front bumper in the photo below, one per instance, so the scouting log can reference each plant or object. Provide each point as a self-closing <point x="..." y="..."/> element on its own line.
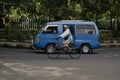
<point x="34" y="46"/>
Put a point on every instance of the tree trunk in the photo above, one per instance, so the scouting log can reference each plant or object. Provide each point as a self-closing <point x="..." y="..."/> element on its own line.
<point x="1" y="24"/>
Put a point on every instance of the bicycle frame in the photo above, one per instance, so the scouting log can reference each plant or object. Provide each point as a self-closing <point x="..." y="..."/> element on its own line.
<point x="65" y="50"/>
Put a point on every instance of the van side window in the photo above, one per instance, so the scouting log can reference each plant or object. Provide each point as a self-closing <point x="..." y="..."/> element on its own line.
<point x="85" y="29"/>
<point x="51" y="30"/>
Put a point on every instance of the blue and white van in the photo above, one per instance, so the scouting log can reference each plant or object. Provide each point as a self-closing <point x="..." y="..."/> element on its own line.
<point x="85" y="34"/>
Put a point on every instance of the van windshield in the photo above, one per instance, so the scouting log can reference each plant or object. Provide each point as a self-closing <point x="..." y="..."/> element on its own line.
<point x="51" y="30"/>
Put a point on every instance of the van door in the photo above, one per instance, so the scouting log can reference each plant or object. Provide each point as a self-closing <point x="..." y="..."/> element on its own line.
<point x="48" y="35"/>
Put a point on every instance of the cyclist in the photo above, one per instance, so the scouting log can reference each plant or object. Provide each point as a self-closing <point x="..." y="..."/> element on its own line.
<point x="67" y="35"/>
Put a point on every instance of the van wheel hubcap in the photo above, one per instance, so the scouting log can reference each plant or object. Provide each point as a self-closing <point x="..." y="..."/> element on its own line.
<point x="85" y="49"/>
<point x="50" y="49"/>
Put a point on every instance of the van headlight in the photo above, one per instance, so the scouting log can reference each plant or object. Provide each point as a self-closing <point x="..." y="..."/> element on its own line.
<point x="36" y="40"/>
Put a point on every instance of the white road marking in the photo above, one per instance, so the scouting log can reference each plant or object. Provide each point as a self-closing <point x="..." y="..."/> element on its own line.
<point x="30" y="70"/>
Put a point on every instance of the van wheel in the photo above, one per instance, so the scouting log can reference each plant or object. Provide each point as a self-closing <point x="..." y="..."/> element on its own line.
<point x="85" y="48"/>
<point x="52" y="52"/>
<point x="50" y="48"/>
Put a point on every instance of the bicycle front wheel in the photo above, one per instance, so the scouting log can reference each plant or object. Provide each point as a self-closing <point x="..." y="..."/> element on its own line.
<point x="74" y="53"/>
<point x="52" y="52"/>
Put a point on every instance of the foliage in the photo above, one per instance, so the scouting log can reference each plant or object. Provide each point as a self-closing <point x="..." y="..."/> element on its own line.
<point x="16" y="34"/>
<point x="106" y="13"/>
<point x="63" y="9"/>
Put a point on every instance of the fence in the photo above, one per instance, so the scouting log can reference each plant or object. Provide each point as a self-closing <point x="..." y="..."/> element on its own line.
<point x="24" y="25"/>
<point x="109" y="36"/>
<point x="25" y="28"/>
<point x="20" y="29"/>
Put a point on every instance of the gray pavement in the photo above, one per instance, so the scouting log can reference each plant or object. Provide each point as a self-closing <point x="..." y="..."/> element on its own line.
<point x="29" y="44"/>
<point x="27" y="64"/>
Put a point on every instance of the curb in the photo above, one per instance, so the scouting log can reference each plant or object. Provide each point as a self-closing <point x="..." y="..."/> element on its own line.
<point x="15" y="45"/>
<point x="29" y="45"/>
<point x="110" y="45"/>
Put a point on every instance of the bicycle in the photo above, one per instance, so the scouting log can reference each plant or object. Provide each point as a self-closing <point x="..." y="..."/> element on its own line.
<point x="55" y="50"/>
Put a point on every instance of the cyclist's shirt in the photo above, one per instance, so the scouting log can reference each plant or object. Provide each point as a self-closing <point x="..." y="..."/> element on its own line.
<point x="67" y="34"/>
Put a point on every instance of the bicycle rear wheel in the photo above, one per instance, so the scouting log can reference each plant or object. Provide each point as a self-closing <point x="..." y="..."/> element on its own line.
<point x="52" y="52"/>
<point x="73" y="53"/>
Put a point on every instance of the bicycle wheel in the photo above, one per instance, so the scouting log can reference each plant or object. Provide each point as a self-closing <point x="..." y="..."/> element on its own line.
<point x="52" y="52"/>
<point x="74" y="53"/>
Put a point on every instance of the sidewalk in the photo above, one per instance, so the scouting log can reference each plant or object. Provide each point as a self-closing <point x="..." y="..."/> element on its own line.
<point x="15" y="44"/>
<point x="29" y="44"/>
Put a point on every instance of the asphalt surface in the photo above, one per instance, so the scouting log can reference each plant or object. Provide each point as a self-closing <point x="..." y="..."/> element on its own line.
<point x="26" y="64"/>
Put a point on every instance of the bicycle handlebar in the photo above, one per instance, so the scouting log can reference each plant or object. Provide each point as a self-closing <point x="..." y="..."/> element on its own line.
<point x="57" y="37"/>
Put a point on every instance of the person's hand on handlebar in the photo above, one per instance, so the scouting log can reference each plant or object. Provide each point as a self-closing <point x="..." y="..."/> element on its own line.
<point x="57" y="37"/>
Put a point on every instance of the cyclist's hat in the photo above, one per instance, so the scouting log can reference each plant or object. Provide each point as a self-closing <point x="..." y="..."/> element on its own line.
<point x="65" y="26"/>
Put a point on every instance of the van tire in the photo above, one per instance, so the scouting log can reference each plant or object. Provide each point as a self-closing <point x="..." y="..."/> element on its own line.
<point x="85" y="48"/>
<point x="50" y="47"/>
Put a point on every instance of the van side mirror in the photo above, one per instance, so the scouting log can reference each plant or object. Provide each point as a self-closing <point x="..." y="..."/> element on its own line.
<point x="44" y="31"/>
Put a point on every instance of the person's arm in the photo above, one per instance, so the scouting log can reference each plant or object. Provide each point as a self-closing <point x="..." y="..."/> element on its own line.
<point x="65" y="33"/>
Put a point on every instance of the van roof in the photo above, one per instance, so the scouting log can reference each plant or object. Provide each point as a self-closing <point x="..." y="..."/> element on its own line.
<point x="70" y="22"/>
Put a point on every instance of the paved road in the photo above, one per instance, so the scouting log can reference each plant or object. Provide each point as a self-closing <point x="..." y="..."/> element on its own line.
<point x="25" y="64"/>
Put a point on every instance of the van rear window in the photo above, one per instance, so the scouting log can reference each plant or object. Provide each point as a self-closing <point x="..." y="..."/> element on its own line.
<point x="85" y="29"/>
